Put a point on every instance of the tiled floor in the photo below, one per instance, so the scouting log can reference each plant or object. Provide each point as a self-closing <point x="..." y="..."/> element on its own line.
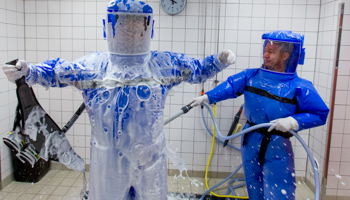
<point x="66" y="185"/>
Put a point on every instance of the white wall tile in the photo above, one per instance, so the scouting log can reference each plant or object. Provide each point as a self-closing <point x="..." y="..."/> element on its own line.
<point x="346" y="140"/>
<point x="345" y="155"/>
<point x="271" y="24"/>
<point x="165" y="34"/>
<point x="41" y="7"/>
<point x="90" y="7"/>
<point x="53" y="7"/>
<point x="90" y="32"/>
<point x="54" y="32"/>
<point x="244" y="23"/>
<point x="341" y="97"/>
<point x="334" y="168"/>
<point x="258" y="10"/>
<point x="90" y="46"/>
<point x="30" y="6"/>
<point x="284" y="24"/>
<point x="179" y="22"/>
<point x="53" y="19"/>
<point x="285" y="11"/>
<point x="78" y="6"/>
<point x="299" y="11"/>
<point x="272" y="11"/>
<point x="344" y="53"/>
<point x="66" y="44"/>
<point x="335" y="154"/>
<point x="178" y="34"/>
<point x="245" y="10"/>
<point x="312" y="11"/>
<point x="258" y="24"/>
<point x="66" y="32"/>
<point x="332" y="182"/>
<point x="91" y="20"/>
<point x="66" y="19"/>
<point x="192" y="35"/>
<point x="191" y="22"/>
<point x="78" y="20"/>
<point x="65" y="7"/>
<point x="345" y="169"/>
<point x="232" y="10"/>
<point x="30" y="19"/>
<point x="42" y="44"/>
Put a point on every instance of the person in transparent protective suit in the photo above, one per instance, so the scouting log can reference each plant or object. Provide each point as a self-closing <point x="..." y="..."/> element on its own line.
<point x="273" y="93"/>
<point x="124" y="91"/>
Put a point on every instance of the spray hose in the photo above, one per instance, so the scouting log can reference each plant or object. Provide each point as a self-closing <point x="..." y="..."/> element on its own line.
<point x="207" y="168"/>
<point x="264" y="125"/>
<point x="186" y="108"/>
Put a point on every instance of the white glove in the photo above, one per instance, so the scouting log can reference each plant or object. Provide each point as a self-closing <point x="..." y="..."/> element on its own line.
<point x="284" y="124"/>
<point x="226" y="56"/>
<point x="198" y="100"/>
<point x="15" y="72"/>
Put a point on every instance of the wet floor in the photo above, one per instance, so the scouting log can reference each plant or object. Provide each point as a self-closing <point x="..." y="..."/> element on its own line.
<point x="67" y="185"/>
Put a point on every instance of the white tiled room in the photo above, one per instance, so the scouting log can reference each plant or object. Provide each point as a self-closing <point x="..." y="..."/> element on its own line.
<point x="39" y="30"/>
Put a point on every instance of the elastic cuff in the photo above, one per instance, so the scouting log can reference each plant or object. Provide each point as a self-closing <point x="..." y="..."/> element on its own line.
<point x="30" y="75"/>
<point x="219" y="64"/>
<point x="210" y="99"/>
<point x="300" y="125"/>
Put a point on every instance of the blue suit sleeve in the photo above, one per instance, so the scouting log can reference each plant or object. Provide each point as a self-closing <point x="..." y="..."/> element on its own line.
<point x="312" y="111"/>
<point x="60" y="73"/>
<point x="231" y="88"/>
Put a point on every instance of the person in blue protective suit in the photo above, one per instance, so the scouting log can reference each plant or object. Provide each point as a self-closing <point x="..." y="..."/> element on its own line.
<point x="273" y="93"/>
<point x="124" y="92"/>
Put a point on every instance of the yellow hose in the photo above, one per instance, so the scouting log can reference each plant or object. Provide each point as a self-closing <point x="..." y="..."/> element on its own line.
<point x="206" y="171"/>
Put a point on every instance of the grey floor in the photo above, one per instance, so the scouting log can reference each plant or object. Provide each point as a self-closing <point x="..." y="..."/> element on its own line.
<point x="66" y="185"/>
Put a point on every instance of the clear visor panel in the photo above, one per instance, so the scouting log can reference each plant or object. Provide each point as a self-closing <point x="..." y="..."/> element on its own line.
<point x="281" y="56"/>
<point x="129" y="34"/>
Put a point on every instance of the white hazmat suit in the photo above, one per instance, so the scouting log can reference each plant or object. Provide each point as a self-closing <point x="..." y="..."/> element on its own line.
<point x="124" y="92"/>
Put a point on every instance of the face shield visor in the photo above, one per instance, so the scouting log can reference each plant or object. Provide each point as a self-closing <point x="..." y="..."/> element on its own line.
<point x="129" y="27"/>
<point x="283" y="51"/>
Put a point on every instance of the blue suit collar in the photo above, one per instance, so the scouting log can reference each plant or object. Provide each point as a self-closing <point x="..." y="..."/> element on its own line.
<point x="276" y="76"/>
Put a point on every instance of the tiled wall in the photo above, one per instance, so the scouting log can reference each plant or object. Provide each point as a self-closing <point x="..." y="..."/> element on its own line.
<point x="338" y="180"/>
<point x="323" y="79"/>
<point x="73" y="28"/>
<point x="11" y="47"/>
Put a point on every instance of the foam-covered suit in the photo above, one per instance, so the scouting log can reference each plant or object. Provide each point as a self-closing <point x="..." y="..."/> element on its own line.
<point x="125" y="91"/>
<point x="269" y="95"/>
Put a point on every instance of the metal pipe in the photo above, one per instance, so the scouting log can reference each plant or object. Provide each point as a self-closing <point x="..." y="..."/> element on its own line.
<point x="204" y="41"/>
<point x="218" y="39"/>
<point x="336" y="63"/>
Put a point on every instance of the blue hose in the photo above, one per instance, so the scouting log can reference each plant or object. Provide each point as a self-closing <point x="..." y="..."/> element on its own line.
<point x="317" y="180"/>
<point x="223" y="181"/>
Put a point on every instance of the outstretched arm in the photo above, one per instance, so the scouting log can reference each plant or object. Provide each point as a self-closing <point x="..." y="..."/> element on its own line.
<point x="202" y="70"/>
<point x="57" y="72"/>
<point x="60" y="73"/>
<point x="231" y="88"/>
<point x="174" y="68"/>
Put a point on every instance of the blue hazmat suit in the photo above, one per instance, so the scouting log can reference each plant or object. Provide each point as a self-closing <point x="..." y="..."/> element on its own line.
<point x="124" y="91"/>
<point x="269" y="95"/>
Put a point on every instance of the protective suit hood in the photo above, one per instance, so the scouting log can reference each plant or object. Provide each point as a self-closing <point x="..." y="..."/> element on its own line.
<point x="129" y="27"/>
<point x="289" y="42"/>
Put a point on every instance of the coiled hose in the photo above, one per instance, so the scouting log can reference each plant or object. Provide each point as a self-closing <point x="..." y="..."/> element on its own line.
<point x="317" y="180"/>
